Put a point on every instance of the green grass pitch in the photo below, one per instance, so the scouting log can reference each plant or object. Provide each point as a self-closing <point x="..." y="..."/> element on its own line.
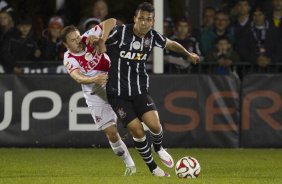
<point x="95" y="166"/>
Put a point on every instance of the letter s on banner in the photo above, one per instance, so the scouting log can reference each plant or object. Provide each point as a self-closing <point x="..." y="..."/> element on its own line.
<point x="57" y="106"/>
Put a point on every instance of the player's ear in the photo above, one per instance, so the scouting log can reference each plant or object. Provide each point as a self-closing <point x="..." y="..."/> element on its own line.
<point x="134" y="19"/>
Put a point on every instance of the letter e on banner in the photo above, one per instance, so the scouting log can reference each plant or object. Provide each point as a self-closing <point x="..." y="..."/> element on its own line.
<point x="74" y="110"/>
<point x="212" y="111"/>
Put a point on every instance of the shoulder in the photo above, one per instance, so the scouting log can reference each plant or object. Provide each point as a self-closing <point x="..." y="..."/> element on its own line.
<point x="153" y="32"/>
<point x="119" y="27"/>
<point x="156" y="33"/>
<point x="157" y="36"/>
<point x="94" y="31"/>
<point x="120" y="31"/>
<point x="70" y="62"/>
<point x="123" y="28"/>
<point x="68" y="57"/>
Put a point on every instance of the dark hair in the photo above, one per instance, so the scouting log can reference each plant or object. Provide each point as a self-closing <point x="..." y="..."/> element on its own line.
<point x="169" y="21"/>
<point x="145" y="6"/>
<point x="259" y="8"/>
<point x="66" y="31"/>
<point x="209" y="8"/>
<point x="220" y="38"/>
<point x="222" y="12"/>
<point x="24" y="20"/>
<point x="244" y="1"/>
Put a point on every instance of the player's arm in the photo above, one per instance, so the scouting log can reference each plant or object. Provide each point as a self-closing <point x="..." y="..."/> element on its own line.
<point x="176" y="47"/>
<point x="101" y="31"/>
<point x="97" y="36"/>
<point x="99" y="79"/>
<point x="107" y="27"/>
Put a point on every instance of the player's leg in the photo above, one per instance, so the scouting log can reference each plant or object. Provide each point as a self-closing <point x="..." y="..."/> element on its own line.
<point x="120" y="149"/>
<point x="142" y="146"/>
<point x="105" y="119"/>
<point x="125" y="112"/>
<point x="147" y="111"/>
<point x="151" y="119"/>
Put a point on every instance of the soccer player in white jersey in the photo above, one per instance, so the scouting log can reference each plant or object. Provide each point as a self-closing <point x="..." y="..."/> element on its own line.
<point x="89" y="68"/>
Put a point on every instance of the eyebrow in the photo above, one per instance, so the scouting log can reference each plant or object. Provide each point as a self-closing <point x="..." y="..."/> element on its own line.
<point x="75" y="38"/>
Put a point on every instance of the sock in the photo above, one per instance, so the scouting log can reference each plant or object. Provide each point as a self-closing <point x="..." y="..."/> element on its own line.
<point x="142" y="146"/>
<point x="157" y="140"/>
<point x="121" y="150"/>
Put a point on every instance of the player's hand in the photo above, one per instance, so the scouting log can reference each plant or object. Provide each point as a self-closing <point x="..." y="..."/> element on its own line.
<point x="194" y="58"/>
<point x="101" y="46"/>
<point x="91" y="40"/>
<point x="37" y="53"/>
<point x="263" y="61"/>
<point x="100" y="79"/>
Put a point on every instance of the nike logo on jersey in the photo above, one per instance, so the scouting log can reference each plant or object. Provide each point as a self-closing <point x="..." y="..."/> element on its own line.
<point x="133" y="55"/>
<point x="150" y="104"/>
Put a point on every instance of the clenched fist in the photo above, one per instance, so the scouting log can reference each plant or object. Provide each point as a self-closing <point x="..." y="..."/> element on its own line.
<point x="194" y="58"/>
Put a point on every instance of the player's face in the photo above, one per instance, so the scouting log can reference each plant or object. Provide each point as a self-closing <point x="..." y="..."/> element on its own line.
<point x="24" y="29"/>
<point x="143" y="22"/>
<point x="258" y="18"/>
<point x="223" y="45"/>
<point x="277" y="5"/>
<point x="4" y="19"/>
<point x="208" y="18"/>
<point x="182" y="29"/>
<point x="55" y="32"/>
<point x="243" y="8"/>
<point x="221" y="21"/>
<point x="73" y="42"/>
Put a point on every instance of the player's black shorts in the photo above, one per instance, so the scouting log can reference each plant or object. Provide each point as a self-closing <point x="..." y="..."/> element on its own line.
<point x="127" y="109"/>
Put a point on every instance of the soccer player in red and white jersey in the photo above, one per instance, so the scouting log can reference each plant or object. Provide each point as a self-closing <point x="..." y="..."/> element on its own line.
<point x="89" y="68"/>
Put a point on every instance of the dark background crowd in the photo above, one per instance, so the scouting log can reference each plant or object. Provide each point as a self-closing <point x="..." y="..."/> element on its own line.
<point x="239" y="36"/>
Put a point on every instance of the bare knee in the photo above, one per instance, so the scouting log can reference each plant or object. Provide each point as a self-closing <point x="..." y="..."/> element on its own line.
<point x="137" y="133"/>
<point x="152" y="120"/>
<point x="112" y="134"/>
<point x="155" y="128"/>
<point x="136" y="129"/>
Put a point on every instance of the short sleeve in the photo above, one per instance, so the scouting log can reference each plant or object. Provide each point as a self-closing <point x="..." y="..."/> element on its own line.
<point x="96" y="31"/>
<point x="70" y="64"/>
<point x="159" y="40"/>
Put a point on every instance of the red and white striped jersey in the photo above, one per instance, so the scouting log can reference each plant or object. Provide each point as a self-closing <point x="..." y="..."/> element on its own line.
<point x="89" y="62"/>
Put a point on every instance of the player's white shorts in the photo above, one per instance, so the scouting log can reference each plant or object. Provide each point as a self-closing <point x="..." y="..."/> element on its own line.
<point x="101" y="111"/>
<point x="103" y="116"/>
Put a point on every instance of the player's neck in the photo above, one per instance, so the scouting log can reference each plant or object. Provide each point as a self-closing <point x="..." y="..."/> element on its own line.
<point x="136" y="32"/>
